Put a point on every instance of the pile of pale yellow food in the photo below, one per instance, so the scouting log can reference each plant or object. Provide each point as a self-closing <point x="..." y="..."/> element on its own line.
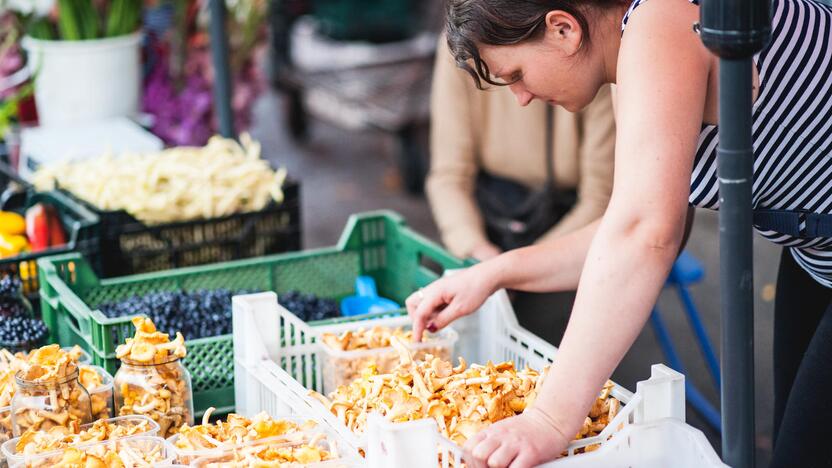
<point x="363" y="338"/>
<point x="177" y="184"/>
<point x="342" y="368"/>
<point x="463" y="400"/>
<point x="117" y="454"/>
<point x="57" y="438"/>
<point x="268" y="456"/>
<point x="238" y="434"/>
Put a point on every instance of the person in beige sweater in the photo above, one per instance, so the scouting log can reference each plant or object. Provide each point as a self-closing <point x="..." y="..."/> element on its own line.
<point x="473" y="131"/>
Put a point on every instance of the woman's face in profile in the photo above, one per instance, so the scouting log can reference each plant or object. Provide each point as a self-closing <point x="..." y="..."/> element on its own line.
<point x="556" y="68"/>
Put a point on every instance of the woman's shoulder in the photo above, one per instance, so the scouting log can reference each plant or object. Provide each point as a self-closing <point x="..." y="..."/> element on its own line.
<point x="656" y="9"/>
<point x="659" y="26"/>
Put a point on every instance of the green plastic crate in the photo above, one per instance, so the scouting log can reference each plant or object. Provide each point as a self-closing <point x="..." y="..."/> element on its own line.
<point x="377" y="244"/>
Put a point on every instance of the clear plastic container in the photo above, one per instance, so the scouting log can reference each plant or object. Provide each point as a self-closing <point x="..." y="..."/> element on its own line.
<point x="9" y="448"/>
<point x="6" y="429"/>
<point x="161" y="391"/>
<point x="342" y="367"/>
<point x="101" y="396"/>
<point x="43" y="405"/>
<point x="188" y="456"/>
<point x="153" y="448"/>
<point x="84" y="358"/>
<point x="185" y="457"/>
<point x="246" y="455"/>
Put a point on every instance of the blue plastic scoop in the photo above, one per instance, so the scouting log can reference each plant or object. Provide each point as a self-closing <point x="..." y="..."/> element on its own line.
<point x="366" y="300"/>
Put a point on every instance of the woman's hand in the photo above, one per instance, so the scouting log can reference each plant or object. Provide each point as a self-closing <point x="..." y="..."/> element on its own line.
<point x="446" y="299"/>
<point x="522" y="441"/>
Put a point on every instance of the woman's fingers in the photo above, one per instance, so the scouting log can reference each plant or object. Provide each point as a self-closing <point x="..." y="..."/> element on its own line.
<point x="523" y="460"/>
<point x="473" y="441"/>
<point x="448" y="314"/>
<point x="502" y="456"/>
<point x="424" y="310"/>
<point x="412" y="302"/>
<point x="483" y="450"/>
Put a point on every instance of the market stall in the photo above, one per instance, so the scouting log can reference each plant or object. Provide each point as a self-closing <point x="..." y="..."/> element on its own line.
<point x="307" y="385"/>
<point x="219" y="350"/>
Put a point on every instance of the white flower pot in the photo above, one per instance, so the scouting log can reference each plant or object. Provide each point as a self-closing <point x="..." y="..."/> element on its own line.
<point x="84" y="81"/>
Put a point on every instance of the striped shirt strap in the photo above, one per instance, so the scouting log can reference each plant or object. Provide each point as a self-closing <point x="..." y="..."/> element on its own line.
<point x="788" y="222"/>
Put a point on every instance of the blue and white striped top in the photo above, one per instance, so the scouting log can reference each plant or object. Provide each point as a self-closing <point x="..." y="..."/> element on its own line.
<point x="792" y="130"/>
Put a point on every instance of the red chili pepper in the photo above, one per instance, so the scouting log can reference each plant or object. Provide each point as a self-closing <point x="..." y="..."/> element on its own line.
<point x="56" y="231"/>
<point x="37" y="227"/>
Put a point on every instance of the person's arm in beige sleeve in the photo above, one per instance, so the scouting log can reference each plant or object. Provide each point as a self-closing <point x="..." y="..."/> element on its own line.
<point x="451" y="181"/>
<point x="597" y="157"/>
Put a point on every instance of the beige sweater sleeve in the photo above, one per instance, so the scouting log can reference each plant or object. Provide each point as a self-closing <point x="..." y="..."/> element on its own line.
<point x="597" y="158"/>
<point x="453" y="172"/>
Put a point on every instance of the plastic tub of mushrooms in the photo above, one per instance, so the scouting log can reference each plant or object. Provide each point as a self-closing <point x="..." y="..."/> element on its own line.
<point x="54" y="441"/>
<point x="351" y="348"/>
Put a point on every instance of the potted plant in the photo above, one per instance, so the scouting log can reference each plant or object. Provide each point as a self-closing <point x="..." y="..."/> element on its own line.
<point x="84" y="56"/>
<point x="178" y="87"/>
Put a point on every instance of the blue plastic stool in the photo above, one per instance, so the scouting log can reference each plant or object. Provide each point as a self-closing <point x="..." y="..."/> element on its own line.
<point x="686" y="271"/>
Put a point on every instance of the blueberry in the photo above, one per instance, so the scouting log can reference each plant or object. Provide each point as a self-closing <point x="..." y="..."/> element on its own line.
<point x="196" y="314"/>
<point x="22" y="332"/>
<point x="309" y="307"/>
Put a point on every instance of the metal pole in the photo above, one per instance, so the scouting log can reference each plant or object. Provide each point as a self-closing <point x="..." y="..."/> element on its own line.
<point x="736" y="265"/>
<point x="222" y="78"/>
<point x="734" y="30"/>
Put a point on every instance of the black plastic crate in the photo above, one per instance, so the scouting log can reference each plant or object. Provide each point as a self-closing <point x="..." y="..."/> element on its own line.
<point x="80" y="227"/>
<point x="128" y="246"/>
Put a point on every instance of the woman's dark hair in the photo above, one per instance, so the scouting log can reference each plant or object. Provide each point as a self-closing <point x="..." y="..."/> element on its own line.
<point x="504" y="22"/>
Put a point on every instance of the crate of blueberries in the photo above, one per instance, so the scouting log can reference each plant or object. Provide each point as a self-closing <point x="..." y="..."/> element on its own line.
<point x="20" y="330"/>
<point x="81" y="308"/>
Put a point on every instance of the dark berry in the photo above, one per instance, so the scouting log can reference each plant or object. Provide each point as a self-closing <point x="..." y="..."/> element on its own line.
<point x="309" y="307"/>
<point x="22" y="333"/>
<point x="11" y="299"/>
<point x="196" y="314"/>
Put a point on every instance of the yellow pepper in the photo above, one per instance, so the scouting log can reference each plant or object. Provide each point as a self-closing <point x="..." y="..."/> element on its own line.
<point x="12" y="223"/>
<point x="12" y="244"/>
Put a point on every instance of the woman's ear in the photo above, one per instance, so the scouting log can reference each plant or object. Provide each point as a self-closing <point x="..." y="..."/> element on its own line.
<point x="564" y="31"/>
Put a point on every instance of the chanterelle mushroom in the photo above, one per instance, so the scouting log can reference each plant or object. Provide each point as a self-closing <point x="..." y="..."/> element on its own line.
<point x="463" y="399"/>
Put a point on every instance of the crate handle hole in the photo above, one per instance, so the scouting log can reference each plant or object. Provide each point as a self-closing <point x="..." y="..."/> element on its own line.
<point x="431" y="265"/>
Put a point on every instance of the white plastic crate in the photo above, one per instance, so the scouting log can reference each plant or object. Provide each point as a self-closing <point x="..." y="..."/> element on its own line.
<point x="653" y="435"/>
<point x="276" y="363"/>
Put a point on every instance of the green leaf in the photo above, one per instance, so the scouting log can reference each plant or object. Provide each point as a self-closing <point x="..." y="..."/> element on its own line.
<point x="68" y="20"/>
<point x="89" y="19"/>
<point x="40" y="28"/>
<point x="10" y="107"/>
<point x="114" y="18"/>
<point x="124" y="17"/>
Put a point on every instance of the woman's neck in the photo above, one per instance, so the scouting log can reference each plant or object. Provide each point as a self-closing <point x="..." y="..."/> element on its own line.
<point x="610" y="40"/>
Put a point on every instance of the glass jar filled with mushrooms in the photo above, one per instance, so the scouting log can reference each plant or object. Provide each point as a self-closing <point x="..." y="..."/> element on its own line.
<point x="152" y="380"/>
<point x="48" y="393"/>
